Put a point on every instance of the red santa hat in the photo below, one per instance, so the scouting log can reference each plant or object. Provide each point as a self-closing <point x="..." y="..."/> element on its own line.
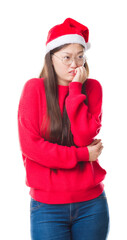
<point x="70" y="31"/>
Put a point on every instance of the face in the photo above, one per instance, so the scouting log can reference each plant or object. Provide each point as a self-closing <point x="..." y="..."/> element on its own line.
<point x="65" y="73"/>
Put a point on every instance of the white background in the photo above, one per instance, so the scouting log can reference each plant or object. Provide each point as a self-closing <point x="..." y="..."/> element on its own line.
<point x="23" y="32"/>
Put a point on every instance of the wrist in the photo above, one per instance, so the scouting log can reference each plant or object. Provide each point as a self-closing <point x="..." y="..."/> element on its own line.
<point x="75" y="87"/>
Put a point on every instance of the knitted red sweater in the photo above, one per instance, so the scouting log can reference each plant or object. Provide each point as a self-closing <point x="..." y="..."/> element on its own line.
<point x="69" y="184"/>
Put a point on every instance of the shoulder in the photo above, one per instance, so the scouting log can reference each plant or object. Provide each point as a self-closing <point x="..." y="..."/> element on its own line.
<point x="33" y="85"/>
<point x="32" y="88"/>
<point x="92" y="84"/>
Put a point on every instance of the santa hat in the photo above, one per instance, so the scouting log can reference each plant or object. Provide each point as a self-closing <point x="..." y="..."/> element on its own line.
<point x="70" y="31"/>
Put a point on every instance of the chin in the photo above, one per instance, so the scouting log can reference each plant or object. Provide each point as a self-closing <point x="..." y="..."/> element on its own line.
<point x="71" y="78"/>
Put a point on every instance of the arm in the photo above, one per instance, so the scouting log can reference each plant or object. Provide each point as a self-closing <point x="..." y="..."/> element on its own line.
<point x="33" y="145"/>
<point x="85" y="120"/>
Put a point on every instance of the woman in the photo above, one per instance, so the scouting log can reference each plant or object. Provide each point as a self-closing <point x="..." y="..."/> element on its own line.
<point x="59" y="115"/>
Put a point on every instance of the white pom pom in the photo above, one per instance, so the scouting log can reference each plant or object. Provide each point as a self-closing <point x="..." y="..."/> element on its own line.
<point x="88" y="45"/>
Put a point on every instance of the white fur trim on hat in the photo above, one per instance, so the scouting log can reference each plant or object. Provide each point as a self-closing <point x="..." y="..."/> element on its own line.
<point x="64" y="39"/>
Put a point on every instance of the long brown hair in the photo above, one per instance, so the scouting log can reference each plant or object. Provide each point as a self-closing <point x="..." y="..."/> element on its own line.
<point x="59" y="127"/>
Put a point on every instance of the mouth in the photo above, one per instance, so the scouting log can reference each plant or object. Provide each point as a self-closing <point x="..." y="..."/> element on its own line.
<point x="72" y="72"/>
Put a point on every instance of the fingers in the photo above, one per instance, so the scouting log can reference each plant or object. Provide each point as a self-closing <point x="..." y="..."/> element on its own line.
<point x="80" y="74"/>
<point x="98" y="144"/>
<point x="100" y="150"/>
<point x="95" y="141"/>
<point x="81" y="70"/>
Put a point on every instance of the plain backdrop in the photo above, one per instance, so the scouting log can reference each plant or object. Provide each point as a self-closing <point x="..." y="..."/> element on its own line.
<point x="23" y="32"/>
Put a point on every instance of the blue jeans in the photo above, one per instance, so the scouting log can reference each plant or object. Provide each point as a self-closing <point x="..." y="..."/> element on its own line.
<point x="88" y="220"/>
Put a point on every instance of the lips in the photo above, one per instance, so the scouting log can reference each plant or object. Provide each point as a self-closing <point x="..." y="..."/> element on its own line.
<point x="72" y="72"/>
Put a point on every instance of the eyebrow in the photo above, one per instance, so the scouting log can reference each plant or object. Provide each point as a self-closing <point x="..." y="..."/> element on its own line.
<point x="77" y="53"/>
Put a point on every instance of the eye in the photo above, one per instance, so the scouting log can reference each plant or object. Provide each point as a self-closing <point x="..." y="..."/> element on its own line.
<point x="67" y="57"/>
<point x="80" y="56"/>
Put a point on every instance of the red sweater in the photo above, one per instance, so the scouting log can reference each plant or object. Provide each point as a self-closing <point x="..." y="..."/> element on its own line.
<point x="69" y="184"/>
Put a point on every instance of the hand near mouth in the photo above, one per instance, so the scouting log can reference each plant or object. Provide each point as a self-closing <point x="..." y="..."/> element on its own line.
<point x="80" y="75"/>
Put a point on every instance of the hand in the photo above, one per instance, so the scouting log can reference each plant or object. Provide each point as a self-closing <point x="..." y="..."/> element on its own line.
<point x="95" y="149"/>
<point x="81" y="75"/>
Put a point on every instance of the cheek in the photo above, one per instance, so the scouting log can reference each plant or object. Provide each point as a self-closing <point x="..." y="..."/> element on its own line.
<point x="60" y="69"/>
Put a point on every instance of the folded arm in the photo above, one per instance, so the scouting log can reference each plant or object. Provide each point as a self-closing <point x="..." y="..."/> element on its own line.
<point x="85" y="120"/>
<point x="32" y="145"/>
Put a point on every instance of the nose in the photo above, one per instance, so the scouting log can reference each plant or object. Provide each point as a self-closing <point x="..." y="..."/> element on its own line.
<point x="74" y="64"/>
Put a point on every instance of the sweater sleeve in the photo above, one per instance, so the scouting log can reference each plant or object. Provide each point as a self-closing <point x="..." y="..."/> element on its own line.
<point x="32" y="145"/>
<point x="85" y="120"/>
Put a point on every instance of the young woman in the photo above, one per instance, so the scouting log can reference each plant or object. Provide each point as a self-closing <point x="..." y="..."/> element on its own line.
<point x="59" y="115"/>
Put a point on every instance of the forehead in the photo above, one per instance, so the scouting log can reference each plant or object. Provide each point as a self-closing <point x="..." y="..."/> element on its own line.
<point x="73" y="47"/>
